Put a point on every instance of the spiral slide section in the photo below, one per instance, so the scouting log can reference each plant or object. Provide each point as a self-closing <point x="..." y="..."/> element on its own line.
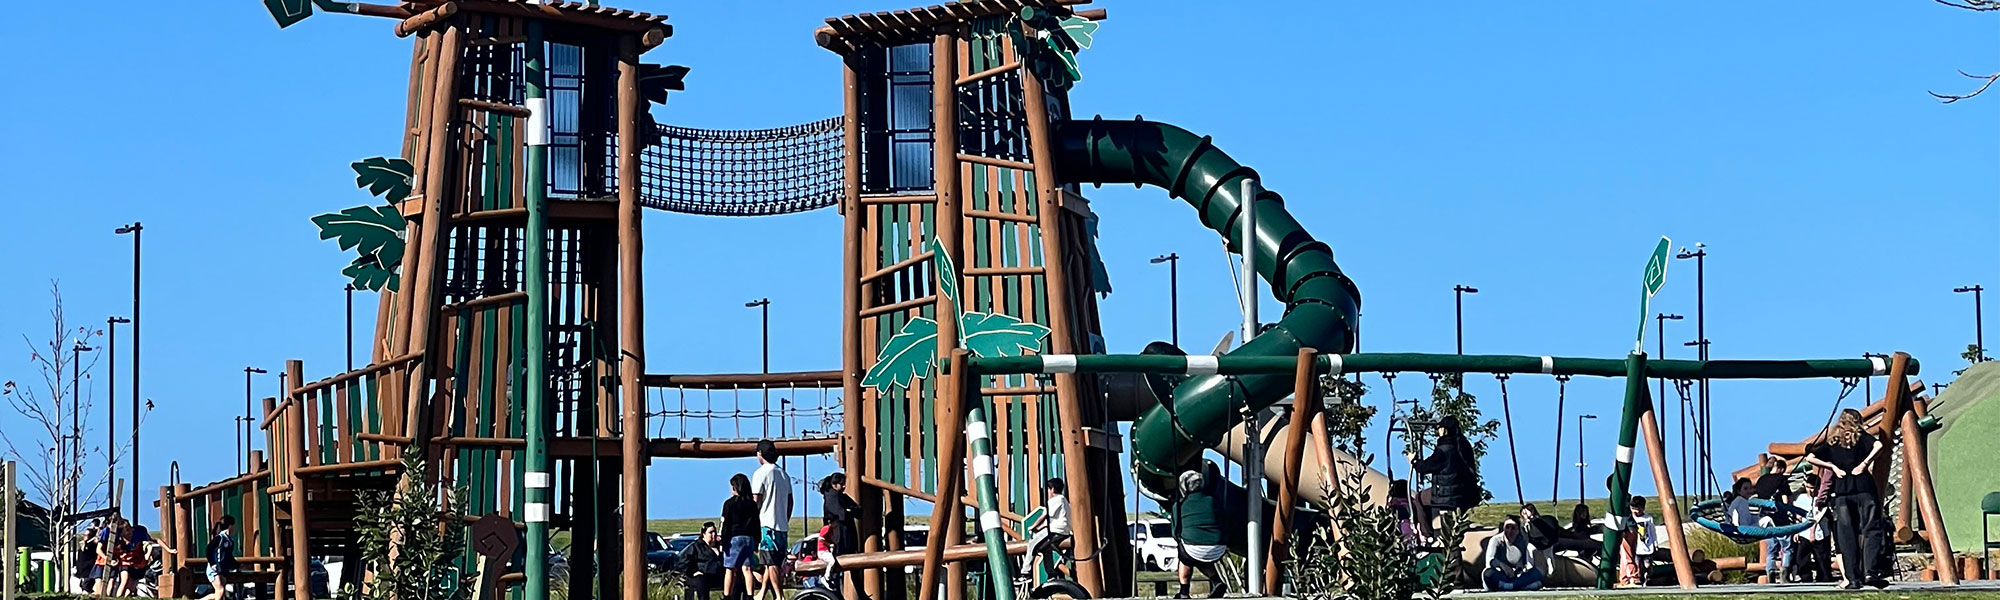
<point x="1320" y="302"/>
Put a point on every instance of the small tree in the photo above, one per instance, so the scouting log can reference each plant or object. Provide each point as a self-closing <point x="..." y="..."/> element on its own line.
<point x="412" y="540"/>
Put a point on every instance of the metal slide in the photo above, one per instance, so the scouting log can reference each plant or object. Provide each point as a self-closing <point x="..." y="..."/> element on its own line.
<point x="1320" y="302"/>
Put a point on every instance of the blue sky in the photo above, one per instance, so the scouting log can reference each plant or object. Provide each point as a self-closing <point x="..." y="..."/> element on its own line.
<point x="1535" y="151"/>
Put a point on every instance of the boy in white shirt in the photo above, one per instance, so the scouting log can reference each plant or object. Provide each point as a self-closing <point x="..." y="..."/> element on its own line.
<point x="772" y="489"/>
<point x="1056" y="509"/>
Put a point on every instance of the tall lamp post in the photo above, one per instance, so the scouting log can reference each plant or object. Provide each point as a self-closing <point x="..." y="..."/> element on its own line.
<point x="247" y="372"/>
<point x="134" y="229"/>
<point x="111" y="399"/>
<point x="75" y="417"/>
<point x="1579" y="455"/>
<point x="1661" y="319"/>
<point x="765" y="305"/>
<point x="1701" y="421"/>
<point x="1458" y="297"/>
<point x="1701" y="432"/>
<point x="1173" y="261"/>
<point x="1978" y="321"/>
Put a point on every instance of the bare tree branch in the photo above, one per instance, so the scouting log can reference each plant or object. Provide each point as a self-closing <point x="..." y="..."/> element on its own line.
<point x="1986" y="79"/>
<point x="1979" y="5"/>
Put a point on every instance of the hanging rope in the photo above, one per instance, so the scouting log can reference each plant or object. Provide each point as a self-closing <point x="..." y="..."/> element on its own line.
<point x="1555" y="487"/>
<point x="1395" y="414"/>
<point x="1507" y="417"/>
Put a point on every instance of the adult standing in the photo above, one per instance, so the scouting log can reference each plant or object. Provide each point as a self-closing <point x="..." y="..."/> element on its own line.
<point x="773" y="490"/>
<point x="1199" y="533"/>
<point x="1454" y="477"/>
<point x="740" y="526"/>
<point x="840" y="511"/>
<point x="1850" y="454"/>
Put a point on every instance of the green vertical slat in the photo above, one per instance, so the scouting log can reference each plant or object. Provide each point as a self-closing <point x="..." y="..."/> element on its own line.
<point x="328" y="453"/>
<point x="505" y="180"/>
<point x="461" y="380"/>
<point x="982" y="288"/>
<point x="487" y="457"/>
<point x="198" y="510"/>
<point x="517" y="413"/>
<point x="355" y="419"/>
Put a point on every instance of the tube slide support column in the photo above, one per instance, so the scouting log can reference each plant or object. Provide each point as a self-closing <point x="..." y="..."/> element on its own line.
<point x="536" y="482"/>
<point x="631" y="328"/>
<point x="1253" y="447"/>
<point x="1001" y="573"/>
<point x="1621" y="475"/>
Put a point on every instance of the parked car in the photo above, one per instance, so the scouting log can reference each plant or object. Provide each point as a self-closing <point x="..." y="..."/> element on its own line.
<point x="660" y="556"/>
<point x="1154" y="545"/>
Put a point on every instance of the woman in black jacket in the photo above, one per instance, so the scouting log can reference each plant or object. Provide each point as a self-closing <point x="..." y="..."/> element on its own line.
<point x="840" y="511"/>
<point x="1454" y="477"/>
<point x="701" y="563"/>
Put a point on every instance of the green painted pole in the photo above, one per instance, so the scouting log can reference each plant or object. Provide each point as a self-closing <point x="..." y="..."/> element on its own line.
<point x="1636" y="401"/>
<point x="537" y="236"/>
<point x="1000" y="574"/>
<point x="1429" y="363"/>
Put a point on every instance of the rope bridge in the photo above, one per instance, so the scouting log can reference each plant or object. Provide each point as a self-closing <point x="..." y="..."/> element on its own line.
<point x="744" y="172"/>
<point x="745" y="407"/>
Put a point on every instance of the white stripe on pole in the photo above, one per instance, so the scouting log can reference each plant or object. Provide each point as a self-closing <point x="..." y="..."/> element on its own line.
<point x="536" y="479"/>
<point x="1881" y="366"/>
<point x="537" y="512"/>
<point x="976" y="431"/>
<point x="1625" y="454"/>
<point x="1202" y="364"/>
<point x="1058" y="363"/>
<point x="1548" y="365"/>
<point x="982" y="466"/>
<point x="989" y="521"/>
<point x="1333" y="364"/>
<point x="538" y="122"/>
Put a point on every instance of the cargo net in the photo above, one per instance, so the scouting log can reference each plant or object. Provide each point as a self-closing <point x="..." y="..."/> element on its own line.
<point x="744" y="173"/>
<point x="749" y="407"/>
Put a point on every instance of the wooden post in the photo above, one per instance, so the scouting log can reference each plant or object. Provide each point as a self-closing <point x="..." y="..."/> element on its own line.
<point x="855" y="444"/>
<point x="1069" y="404"/>
<point x="1670" y="506"/>
<point x="1925" y="496"/>
<point x="295" y="449"/>
<point x="423" y="275"/>
<point x="631" y="323"/>
<point x="944" y="171"/>
<point x="1904" y="531"/>
<point x="950" y="433"/>
<point x="1305" y="412"/>
<point x="167" y="580"/>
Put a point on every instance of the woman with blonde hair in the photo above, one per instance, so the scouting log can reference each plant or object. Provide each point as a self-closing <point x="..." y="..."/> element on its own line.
<point x="1849" y="453"/>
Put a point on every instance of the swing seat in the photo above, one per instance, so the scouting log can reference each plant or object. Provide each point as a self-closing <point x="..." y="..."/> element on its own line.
<point x="1709" y="514"/>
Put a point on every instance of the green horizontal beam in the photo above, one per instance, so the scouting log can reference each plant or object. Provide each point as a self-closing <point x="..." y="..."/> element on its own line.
<point x="1431" y="363"/>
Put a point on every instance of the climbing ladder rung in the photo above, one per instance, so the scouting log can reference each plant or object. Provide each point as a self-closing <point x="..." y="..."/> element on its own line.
<point x="900" y="199"/>
<point x="976" y="271"/>
<point x="900" y="265"/>
<point x="995" y="71"/>
<point x="495" y="107"/>
<point x="904" y="305"/>
<point x="997" y="162"/>
<point x="1000" y="216"/>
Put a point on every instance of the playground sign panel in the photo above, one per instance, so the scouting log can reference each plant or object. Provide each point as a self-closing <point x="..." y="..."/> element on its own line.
<point x="1654" y="278"/>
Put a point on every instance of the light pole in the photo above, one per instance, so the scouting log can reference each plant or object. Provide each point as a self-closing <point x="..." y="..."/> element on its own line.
<point x="1978" y="321"/>
<point x="1458" y="296"/>
<point x="75" y="417"/>
<point x="350" y="327"/>
<point x="135" y="228"/>
<point x="1701" y="432"/>
<point x="1579" y="455"/>
<point x="111" y="400"/>
<point x="1868" y="389"/>
<point x="1701" y="422"/>
<point x="764" y="304"/>
<point x="247" y="372"/>
<point x="1661" y="319"/>
<point x="1173" y="261"/>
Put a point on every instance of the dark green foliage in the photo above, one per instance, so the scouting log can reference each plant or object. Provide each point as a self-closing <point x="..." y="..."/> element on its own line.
<point x="656" y="80"/>
<point x="429" y="540"/>
<point x="377" y="233"/>
<point x="387" y="178"/>
<point x="1972" y="355"/>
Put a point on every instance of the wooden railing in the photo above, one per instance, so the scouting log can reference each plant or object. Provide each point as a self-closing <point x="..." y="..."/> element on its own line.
<point x="355" y="420"/>
<point x="189" y="515"/>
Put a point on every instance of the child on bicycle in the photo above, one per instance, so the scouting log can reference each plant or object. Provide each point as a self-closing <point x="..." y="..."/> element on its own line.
<point x="1058" y="530"/>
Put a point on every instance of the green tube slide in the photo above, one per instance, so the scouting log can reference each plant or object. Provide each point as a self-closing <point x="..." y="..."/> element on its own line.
<point x="1320" y="302"/>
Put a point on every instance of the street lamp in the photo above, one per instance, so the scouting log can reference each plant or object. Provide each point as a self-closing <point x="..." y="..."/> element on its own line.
<point x="1661" y="319"/>
<point x="350" y="327"/>
<point x="111" y="399"/>
<point x="1458" y="295"/>
<point x="1173" y="261"/>
<point x="134" y="229"/>
<point x="75" y="415"/>
<point x="1978" y="321"/>
<point x="765" y="305"/>
<point x="247" y="372"/>
<point x="1701" y="431"/>
<point x="1701" y="421"/>
<point x="1581" y="455"/>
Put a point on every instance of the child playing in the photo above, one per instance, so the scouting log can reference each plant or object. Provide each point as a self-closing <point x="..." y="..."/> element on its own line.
<point x="1057" y="524"/>
<point x="1636" y="545"/>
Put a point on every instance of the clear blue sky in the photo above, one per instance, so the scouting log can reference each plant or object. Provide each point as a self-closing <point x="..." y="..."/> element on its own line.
<point x="1535" y="151"/>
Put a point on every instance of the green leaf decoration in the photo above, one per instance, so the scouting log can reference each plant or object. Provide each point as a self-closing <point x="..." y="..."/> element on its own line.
<point x="288" y="12"/>
<point x="947" y="275"/>
<point x="370" y="230"/>
<point x="656" y="80"/>
<point x="368" y="273"/>
<point x="388" y="178"/>
<point x="1079" y="30"/>
<point x="989" y="335"/>
<point x="907" y="357"/>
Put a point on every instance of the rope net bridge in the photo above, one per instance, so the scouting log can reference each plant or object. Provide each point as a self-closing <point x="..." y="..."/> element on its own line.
<point x="744" y="172"/>
<point x="745" y="407"/>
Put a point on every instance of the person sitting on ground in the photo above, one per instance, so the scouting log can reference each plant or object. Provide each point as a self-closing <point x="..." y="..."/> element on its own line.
<point x="1454" y="477"/>
<point x="1637" y="543"/>
<point x="1544" y="533"/>
<point x="1508" y="567"/>
<point x="1582" y="526"/>
<point x="1056" y="521"/>
<point x="1199" y="532"/>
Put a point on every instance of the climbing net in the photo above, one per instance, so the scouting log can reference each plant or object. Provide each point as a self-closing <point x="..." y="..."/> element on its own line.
<point x="744" y="173"/>
<point x="744" y="411"/>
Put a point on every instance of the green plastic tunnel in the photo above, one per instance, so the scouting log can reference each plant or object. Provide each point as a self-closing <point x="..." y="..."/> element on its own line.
<point x="1320" y="302"/>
